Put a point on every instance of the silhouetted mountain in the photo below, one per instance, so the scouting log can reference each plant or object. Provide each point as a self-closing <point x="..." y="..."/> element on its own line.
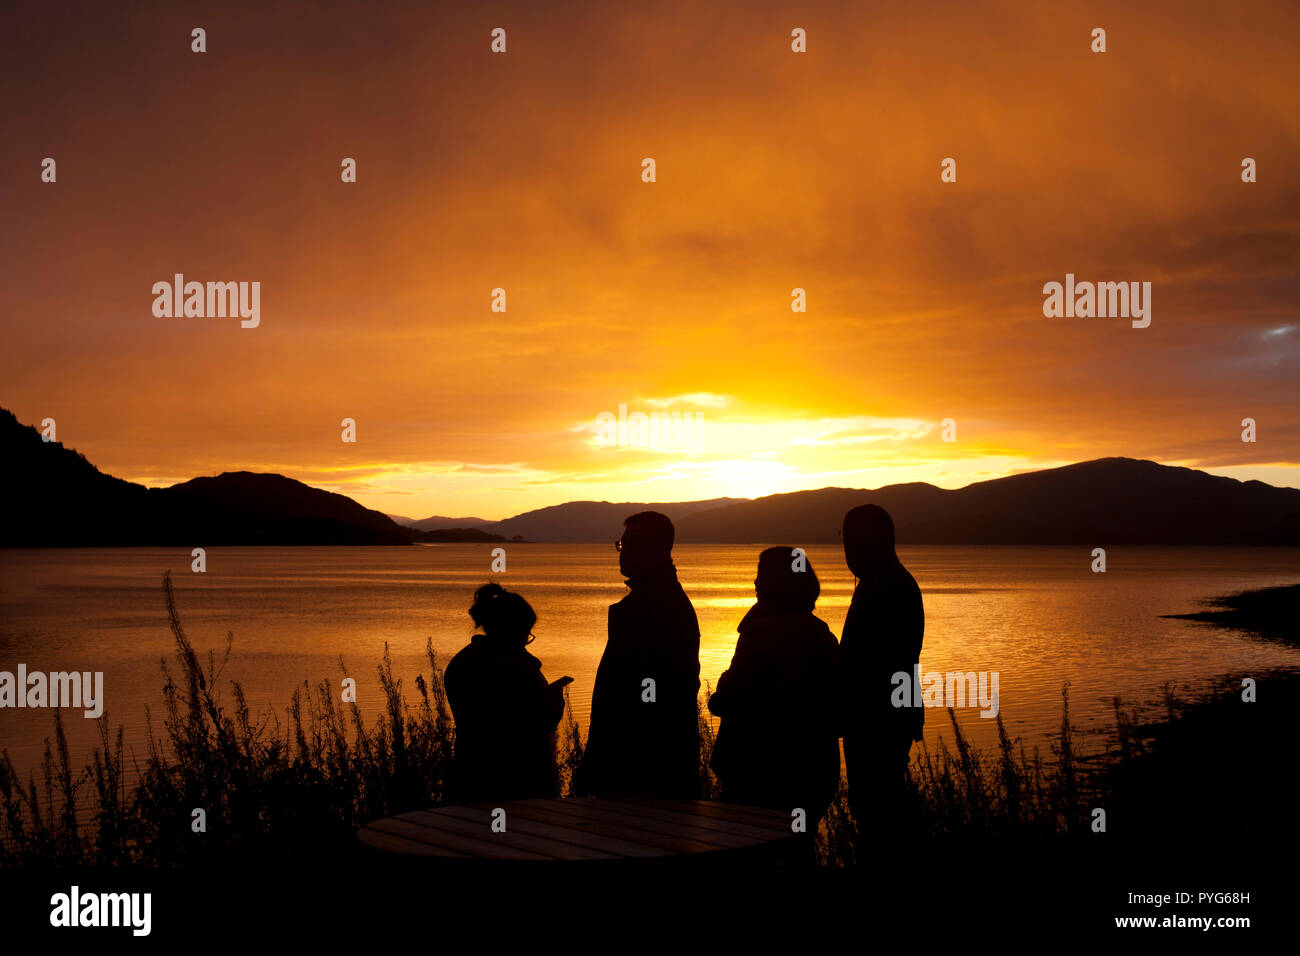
<point x="573" y="521"/>
<point x="246" y="508"/>
<point x="1106" y="501"/>
<point x="440" y="523"/>
<point x="54" y="496"/>
<point x="57" y="498"/>
<point x="586" y="521"/>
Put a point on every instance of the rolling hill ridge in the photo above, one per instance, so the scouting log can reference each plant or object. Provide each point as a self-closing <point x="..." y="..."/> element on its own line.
<point x="59" y="499"/>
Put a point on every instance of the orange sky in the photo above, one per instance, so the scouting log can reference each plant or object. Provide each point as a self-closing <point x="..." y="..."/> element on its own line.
<point x="775" y="170"/>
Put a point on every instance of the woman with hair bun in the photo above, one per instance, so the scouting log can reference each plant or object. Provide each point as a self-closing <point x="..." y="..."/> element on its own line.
<point x="505" y="711"/>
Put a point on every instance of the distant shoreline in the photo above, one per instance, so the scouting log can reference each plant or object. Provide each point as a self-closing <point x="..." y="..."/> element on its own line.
<point x="1270" y="612"/>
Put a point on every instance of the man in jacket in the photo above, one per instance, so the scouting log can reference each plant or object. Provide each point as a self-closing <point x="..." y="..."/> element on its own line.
<point x="882" y="637"/>
<point x="644" y="737"/>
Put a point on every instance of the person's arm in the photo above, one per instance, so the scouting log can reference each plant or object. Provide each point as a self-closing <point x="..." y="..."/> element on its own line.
<point x="906" y="629"/>
<point x="735" y="683"/>
<point x="829" y="684"/>
<point x="536" y="698"/>
<point x="604" y="721"/>
<point x="719" y="698"/>
<point x="617" y="677"/>
<point x="451" y="685"/>
<point x="689" y="664"/>
<point x="895" y="637"/>
<point x="555" y="698"/>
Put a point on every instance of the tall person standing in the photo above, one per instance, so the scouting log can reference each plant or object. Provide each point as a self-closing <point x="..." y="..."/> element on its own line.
<point x="882" y="637"/>
<point x="644" y="738"/>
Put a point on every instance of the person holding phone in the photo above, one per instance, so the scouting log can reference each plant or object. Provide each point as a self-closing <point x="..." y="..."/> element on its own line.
<point x="504" y="709"/>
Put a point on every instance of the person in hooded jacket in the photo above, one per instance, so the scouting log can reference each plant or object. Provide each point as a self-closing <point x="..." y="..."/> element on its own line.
<point x="505" y="711"/>
<point x="882" y="637"/>
<point x="778" y="742"/>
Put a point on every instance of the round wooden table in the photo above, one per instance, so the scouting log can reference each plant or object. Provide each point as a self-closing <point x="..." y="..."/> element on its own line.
<point x="582" y="829"/>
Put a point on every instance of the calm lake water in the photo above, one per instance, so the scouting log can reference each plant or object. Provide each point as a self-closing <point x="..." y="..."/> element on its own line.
<point x="1036" y="615"/>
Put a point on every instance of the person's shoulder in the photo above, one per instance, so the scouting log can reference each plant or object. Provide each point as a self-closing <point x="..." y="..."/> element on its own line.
<point x="913" y="589"/>
<point x="462" y="660"/>
<point x="465" y="654"/>
<point x="621" y="611"/>
<point x="814" y="636"/>
<point x="821" y="630"/>
<point x="683" y="599"/>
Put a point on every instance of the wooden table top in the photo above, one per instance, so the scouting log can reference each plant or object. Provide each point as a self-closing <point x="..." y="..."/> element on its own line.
<point x="579" y="829"/>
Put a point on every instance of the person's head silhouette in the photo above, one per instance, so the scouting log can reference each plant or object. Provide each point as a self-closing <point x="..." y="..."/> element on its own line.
<point x="868" y="540"/>
<point x="781" y="585"/>
<point x="503" y="615"/>
<point x="646" y="544"/>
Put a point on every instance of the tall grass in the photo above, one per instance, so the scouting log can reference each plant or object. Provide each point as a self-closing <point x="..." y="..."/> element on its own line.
<point x="300" y="787"/>
<point x="264" y="788"/>
<point x="967" y="792"/>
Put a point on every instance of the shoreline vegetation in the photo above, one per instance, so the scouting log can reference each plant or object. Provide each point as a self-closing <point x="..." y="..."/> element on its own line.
<point x="1269" y="612"/>
<point x="299" y="788"/>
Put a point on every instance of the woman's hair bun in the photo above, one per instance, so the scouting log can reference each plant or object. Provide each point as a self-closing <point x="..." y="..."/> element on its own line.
<point x="502" y="612"/>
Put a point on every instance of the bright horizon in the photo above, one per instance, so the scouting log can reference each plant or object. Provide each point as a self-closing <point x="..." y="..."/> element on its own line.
<point x="775" y="171"/>
<point x="1224" y="472"/>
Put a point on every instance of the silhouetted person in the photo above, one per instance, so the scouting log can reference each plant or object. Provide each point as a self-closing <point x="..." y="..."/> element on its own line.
<point x="504" y="710"/>
<point x="882" y="636"/>
<point x="644" y="738"/>
<point x="778" y="744"/>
